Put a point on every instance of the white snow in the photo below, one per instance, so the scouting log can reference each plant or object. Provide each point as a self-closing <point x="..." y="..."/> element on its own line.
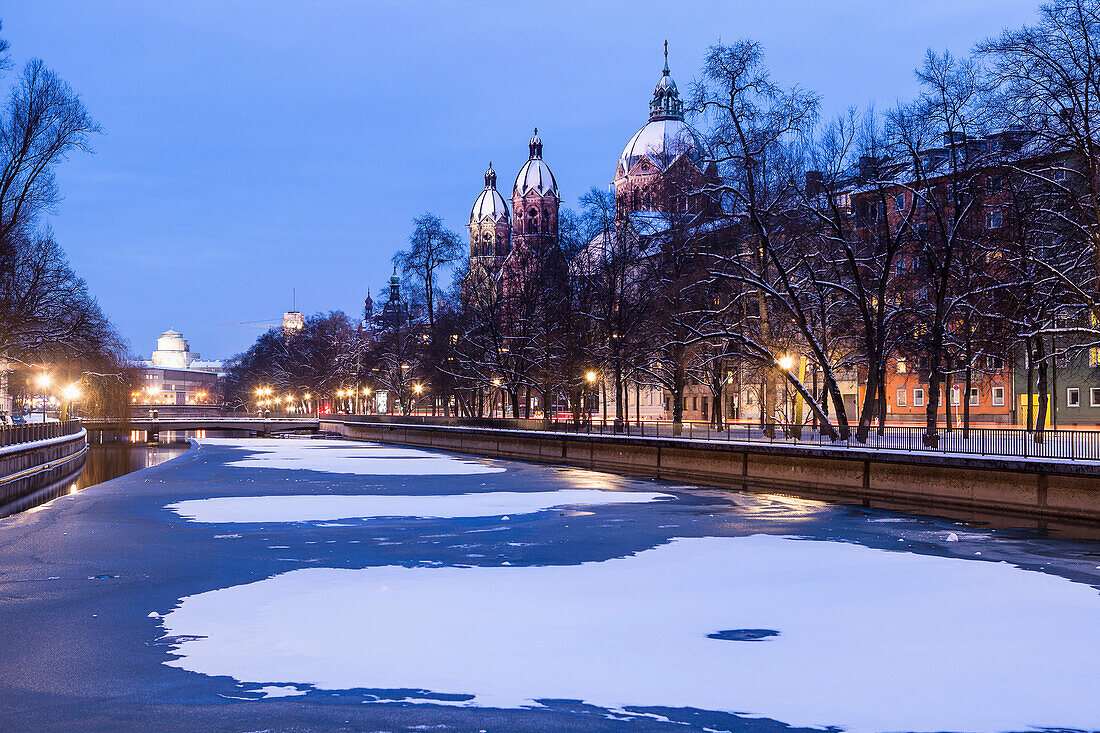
<point x="279" y="691"/>
<point x="342" y="456"/>
<point x="325" y="507"/>
<point x="863" y="634"/>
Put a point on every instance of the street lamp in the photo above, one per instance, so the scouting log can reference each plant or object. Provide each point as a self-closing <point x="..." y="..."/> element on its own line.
<point x="68" y="395"/>
<point x="786" y="362"/>
<point x="590" y="376"/>
<point x="43" y="382"/>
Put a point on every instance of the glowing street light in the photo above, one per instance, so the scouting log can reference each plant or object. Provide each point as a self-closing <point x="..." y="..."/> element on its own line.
<point x="591" y="377"/>
<point x="786" y="363"/>
<point x="71" y="392"/>
<point x="418" y="388"/>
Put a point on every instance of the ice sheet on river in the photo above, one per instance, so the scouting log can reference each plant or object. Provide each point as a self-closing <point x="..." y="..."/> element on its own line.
<point x="325" y="507"/>
<point x="342" y="456"/>
<point x="867" y="639"/>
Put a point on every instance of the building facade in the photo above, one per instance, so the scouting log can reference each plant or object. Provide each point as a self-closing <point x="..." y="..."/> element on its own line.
<point x="175" y="375"/>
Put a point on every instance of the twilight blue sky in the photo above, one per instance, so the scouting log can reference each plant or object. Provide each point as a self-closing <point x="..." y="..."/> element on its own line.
<point x="254" y="147"/>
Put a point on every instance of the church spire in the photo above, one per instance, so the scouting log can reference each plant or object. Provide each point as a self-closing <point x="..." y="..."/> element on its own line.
<point x="535" y="145"/>
<point x="666" y="103"/>
<point x="490" y="177"/>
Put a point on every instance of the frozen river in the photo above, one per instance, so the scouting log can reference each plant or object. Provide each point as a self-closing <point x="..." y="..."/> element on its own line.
<point x="327" y="585"/>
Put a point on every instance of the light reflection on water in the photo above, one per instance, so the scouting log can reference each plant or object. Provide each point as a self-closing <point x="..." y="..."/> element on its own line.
<point x="109" y="456"/>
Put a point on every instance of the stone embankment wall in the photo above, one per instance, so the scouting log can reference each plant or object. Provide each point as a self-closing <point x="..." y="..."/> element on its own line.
<point x="1032" y="488"/>
<point x="27" y="469"/>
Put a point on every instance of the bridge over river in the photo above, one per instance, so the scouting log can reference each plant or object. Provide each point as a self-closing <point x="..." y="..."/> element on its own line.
<point x="253" y="425"/>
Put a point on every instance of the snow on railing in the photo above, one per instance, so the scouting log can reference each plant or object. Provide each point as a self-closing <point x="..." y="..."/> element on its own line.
<point x="982" y="441"/>
<point x="13" y="434"/>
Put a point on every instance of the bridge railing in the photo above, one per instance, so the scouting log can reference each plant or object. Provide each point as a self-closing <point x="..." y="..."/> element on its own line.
<point x="13" y="434"/>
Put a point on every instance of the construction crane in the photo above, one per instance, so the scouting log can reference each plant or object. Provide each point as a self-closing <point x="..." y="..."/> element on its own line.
<point x="256" y="324"/>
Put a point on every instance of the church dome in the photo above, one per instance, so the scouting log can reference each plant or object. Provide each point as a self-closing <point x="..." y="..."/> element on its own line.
<point x="666" y="136"/>
<point x="663" y="141"/>
<point x="489" y="204"/>
<point x="535" y="176"/>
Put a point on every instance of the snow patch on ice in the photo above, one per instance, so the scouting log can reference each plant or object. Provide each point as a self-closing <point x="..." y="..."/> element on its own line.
<point x="279" y="691"/>
<point x="862" y="634"/>
<point x="341" y="456"/>
<point x="314" y="508"/>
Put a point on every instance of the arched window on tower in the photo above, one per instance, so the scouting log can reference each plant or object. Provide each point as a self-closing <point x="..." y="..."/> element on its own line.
<point x="533" y="220"/>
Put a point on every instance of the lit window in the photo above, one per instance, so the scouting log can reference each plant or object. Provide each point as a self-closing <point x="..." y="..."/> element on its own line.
<point x="1073" y="397"/>
<point x="918" y="397"/>
<point x="902" y="397"/>
<point x="998" y="396"/>
<point x="902" y="367"/>
<point x="1094" y="357"/>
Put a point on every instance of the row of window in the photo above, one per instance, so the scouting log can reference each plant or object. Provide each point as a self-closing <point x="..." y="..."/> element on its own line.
<point x="901" y="397"/>
<point x="1073" y="397"/>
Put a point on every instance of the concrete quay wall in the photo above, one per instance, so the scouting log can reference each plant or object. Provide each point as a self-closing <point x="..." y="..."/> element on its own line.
<point x="29" y="468"/>
<point x="1036" y="489"/>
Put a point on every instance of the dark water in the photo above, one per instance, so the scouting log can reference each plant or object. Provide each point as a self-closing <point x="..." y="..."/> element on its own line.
<point x="109" y="456"/>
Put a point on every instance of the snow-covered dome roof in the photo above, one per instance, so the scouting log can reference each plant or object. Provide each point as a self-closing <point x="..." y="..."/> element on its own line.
<point x="666" y="136"/>
<point x="489" y="204"/>
<point x="663" y="141"/>
<point x="535" y="175"/>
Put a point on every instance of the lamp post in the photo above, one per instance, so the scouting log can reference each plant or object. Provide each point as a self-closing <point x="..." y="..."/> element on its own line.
<point x="590" y="377"/>
<point x="43" y="382"/>
<point x="68" y="395"/>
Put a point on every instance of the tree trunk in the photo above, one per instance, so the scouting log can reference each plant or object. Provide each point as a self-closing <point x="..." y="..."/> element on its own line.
<point x="866" y="411"/>
<point x="677" y="400"/>
<point x="1029" y="355"/>
<point x="1041" y="412"/>
<point x="619" y="411"/>
<point x="968" y="382"/>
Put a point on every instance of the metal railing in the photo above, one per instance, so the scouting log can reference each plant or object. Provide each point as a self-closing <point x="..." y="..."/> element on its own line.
<point x="979" y="441"/>
<point x="13" y="434"/>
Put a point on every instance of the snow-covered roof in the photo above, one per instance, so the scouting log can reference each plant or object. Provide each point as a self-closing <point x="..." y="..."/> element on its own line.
<point x="535" y="176"/>
<point x="489" y="205"/>
<point x="663" y="141"/>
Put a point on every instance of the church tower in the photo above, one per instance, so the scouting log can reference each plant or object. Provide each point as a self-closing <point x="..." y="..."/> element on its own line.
<point x="535" y="199"/>
<point x="535" y="202"/>
<point x="666" y="165"/>
<point x="490" y="236"/>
